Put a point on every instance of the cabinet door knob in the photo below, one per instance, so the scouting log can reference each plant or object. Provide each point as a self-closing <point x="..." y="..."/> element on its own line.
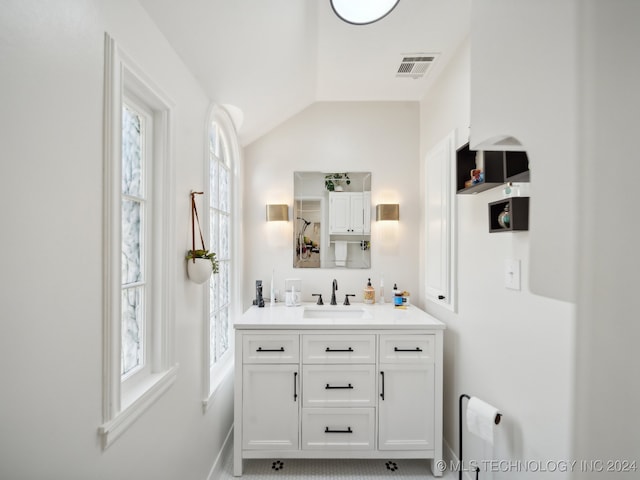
<point x="441" y="297"/>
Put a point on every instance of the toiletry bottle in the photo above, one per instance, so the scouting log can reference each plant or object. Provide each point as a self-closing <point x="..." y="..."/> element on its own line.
<point x="381" y="289"/>
<point x="369" y="293"/>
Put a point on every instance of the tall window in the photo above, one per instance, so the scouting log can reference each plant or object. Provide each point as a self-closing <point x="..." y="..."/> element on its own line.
<point x="136" y="124"/>
<point x="219" y="237"/>
<point x="222" y="157"/>
<point x="138" y="247"/>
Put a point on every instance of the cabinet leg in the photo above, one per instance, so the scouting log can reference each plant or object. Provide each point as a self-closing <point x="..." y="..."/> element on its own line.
<point x="237" y="465"/>
<point x="437" y="467"/>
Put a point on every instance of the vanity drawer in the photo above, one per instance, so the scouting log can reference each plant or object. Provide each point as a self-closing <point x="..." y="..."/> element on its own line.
<point x="407" y="348"/>
<point x="338" y="385"/>
<point x="338" y="429"/>
<point x="338" y="349"/>
<point x="270" y="348"/>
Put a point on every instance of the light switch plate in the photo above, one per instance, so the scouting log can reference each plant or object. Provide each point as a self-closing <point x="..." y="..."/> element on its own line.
<point x="512" y="274"/>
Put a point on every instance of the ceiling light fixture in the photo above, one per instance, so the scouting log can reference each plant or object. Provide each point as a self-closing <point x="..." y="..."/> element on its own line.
<point x="362" y="12"/>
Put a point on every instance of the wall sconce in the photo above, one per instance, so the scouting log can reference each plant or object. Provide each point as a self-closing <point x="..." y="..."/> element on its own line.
<point x="278" y="213"/>
<point x="388" y="211"/>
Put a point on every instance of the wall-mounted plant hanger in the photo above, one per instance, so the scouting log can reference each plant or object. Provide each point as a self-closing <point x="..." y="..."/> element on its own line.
<point x="200" y="262"/>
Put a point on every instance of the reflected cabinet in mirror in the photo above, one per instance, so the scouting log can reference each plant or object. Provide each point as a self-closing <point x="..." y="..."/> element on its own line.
<point x="332" y="220"/>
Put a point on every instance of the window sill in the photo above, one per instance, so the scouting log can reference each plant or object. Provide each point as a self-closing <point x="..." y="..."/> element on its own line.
<point x="221" y="376"/>
<point x="153" y="389"/>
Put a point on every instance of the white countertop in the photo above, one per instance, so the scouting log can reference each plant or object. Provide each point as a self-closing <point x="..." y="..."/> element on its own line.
<point x="377" y="316"/>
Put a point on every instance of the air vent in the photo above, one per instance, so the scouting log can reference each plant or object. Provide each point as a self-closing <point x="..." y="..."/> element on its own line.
<point x="414" y="66"/>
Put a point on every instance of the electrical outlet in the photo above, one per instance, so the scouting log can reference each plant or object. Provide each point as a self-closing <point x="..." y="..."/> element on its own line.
<point x="512" y="274"/>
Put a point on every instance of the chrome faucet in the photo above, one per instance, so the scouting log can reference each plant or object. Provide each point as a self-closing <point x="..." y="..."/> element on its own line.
<point x="334" y="287"/>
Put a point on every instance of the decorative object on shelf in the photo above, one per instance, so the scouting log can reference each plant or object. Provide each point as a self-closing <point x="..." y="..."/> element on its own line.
<point x="333" y="181"/>
<point x="387" y="212"/>
<point x="476" y="176"/>
<point x="277" y="212"/>
<point x="504" y="219"/>
<point x="200" y="262"/>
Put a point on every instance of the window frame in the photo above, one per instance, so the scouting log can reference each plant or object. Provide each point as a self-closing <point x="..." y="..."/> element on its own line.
<point x="123" y="405"/>
<point x="214" y="376"/>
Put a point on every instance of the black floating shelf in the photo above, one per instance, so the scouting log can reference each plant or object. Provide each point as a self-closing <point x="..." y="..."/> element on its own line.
<point x="499" y="167"/>
<point x="518" y="210"/>
<point x="516" y="167"/>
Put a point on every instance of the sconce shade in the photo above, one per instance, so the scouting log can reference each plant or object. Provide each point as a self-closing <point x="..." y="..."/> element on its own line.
<point x="387" y="211"/>
<point x="278" y="213"/>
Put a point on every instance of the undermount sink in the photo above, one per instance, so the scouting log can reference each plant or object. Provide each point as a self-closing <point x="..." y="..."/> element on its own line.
<point x="335" y="311"/>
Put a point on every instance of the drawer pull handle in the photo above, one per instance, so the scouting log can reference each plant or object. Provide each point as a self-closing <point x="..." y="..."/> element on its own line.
<point x="382" y="393"/>
<point x="417" y="349"/>
<point x="348" y="430"/>
<point x="295" y="386"/>
<point x="260" y="349"/>
<point x="331" y="387"/>
<point x="328" y="349"/>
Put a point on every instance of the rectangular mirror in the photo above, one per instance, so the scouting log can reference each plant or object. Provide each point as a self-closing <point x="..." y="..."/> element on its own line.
<point x="332" y="220"/>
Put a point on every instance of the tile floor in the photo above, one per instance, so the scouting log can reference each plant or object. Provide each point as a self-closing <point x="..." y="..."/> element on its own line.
<point x="289" y="469"/>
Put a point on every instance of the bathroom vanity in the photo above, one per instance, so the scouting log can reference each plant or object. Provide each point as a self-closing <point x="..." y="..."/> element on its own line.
<point x="359" y="381"/>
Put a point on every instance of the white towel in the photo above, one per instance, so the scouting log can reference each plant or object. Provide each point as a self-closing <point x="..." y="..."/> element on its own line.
<point x="341" y="253"/>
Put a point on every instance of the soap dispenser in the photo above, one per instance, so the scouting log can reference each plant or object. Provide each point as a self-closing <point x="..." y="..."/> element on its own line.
<point x="369" y="293"/>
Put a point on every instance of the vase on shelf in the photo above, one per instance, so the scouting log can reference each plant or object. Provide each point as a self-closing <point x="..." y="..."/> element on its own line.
<point x="504" y="219"/>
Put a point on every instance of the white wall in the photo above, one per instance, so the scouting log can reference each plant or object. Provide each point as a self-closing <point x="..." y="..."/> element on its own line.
<point x="511" y="348"/>
<point x="51" y="173"/>
<point x="335" y="136"/>
<point x="608" y="357"/>
<point x="523" y="63"/>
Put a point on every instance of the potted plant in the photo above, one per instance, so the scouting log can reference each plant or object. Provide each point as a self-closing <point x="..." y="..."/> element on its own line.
<point x="333" y="181"/>
<point x="201" y="263"/>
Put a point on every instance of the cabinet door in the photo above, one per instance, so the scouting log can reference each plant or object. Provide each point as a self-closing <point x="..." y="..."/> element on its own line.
<point x="360" y="212"/>
<point x="339" y="213"/>
<point x="270" y="406"/>
<point x="406" y="406"/>
<point x="440" y="222"/>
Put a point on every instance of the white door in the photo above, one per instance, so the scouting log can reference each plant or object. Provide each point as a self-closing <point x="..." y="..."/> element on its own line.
<point x="270" y="406"/>
<point x="406" y="407"/>
<point x="439" y="223"/>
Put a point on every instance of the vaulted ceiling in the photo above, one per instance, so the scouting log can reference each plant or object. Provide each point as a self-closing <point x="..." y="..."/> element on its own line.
<point x="273" y="58"/>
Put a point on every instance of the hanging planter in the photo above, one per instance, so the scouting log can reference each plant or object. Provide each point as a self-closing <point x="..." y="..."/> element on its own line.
<point x="200" y="262"/>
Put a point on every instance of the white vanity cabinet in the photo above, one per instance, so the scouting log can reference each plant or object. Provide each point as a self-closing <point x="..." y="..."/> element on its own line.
<point x="349" y="213"/>
<point x="271" y="392"/>
<point x="333" y="388"/>
<point x="407" y="392"/>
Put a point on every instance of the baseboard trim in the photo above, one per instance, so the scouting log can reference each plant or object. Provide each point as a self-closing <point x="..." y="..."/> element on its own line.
<point x="452" y="460"/>
<point x="225" y="451"/>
